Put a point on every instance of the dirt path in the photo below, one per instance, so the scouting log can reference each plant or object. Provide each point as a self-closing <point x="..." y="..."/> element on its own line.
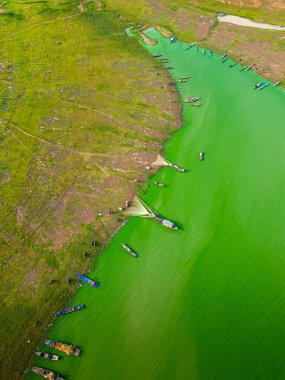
<point x="83" y="154"/>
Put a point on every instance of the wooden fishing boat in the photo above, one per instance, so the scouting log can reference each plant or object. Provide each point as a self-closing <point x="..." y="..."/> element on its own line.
<point x="69" y="310"/>
<point x="276" y="84"/>
<point x="87" y="280"/>
<point x="47" y="374"/>
<point x="164" y="222"/>
<point x="159" y="184"/>
<point x="129" y="250"/>
<point x="68" y="349"/>
<point x="191" y="100"/>
<point x="47" y="355"/>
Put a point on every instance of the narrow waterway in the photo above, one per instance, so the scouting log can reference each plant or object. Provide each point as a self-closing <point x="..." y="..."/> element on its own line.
<point x="205" y="302"/>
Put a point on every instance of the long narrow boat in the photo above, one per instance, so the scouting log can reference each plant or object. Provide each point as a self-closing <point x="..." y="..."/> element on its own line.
<point x="276" y="84"/>
<point x="173" y="40"/>
<point x="159" y="184"/>
<point x="87" y="280"/>
<point x="68" y="349"/>
<point x="189" y="47"/>
<point x="191" y="100"/>
<point x="232" y="65"/>
<point x="47" y="355"/>
<point x="211" y="53"/>
<point x="263" y="86"/>
<point x="69" y="310"/>
<point x="201" y="156"/>
<point x="164" y="222"/>
<point x="223" y="56"/>
<point x="47" y="374"/>
<point x="129" y="250"/>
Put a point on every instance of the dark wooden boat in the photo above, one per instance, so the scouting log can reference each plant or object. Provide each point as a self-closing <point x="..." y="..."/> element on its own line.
<point x="69" y="310"/>
<point x="68" y="349"/>
<point x="47" y="374"/>
<point x="47" y="355"/>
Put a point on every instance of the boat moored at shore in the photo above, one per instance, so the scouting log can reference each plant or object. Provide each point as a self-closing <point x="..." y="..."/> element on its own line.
<point x="191" y="100"/>
<point x="201" y="156"/>
<point x="47" y="374"/>
<point x="68" y="349"/>
<point x="164" y="222"/>
<point x="87" y="280"/>
<point x="46" y="355"/>
<point x="159" y="184"/>
<point x="69" y="310"/>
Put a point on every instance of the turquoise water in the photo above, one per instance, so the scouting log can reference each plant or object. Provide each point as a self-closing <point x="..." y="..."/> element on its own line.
<point x="207" y="301"/>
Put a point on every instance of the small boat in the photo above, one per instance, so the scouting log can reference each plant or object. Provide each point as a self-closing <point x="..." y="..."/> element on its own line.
<point x="276" y="84"/>
<point x="232" y="65"/>
<point x="185" y="77"/>
<point x="191" y="100"/>
<point x="263" y="86"/>
<point x="195" y="105"/>
<point x="211" y="53"/>
<point x="182" y="80"/>
<point x="258" y="85"/>
<point x="87" y="280"/>
<point x="248" y="68"/>
<point x="47" y="355"/>
<point x="163" y="60"/>
<point x="164" y="222"/>
<point x="69" y="310"/>
<point x="47" y="374"/>
<point x="243" y="69"/>
<point x="129" y="250"/>
<point x="203" y="51"/>
<point x="169" y="67"/>
<point x="159" y="184"/>
<point x="173" y="40"/>
<point x="201" y="156"/>
<point x="196" y="48"/>
<point x="189" y="47"/>
<point x="224" y="59"/>
<point x="179" y="43"/>
<point x="68" y="349"/>
<point x="157" y="55"/>
<point x="223" y="56"/>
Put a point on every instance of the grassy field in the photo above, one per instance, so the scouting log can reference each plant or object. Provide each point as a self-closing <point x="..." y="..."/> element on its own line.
<point x="82" y="112"/>
<point x="81" y="115"/>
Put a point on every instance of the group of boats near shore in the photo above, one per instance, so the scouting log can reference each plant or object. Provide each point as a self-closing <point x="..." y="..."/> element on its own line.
<point x="70" y="349"/>
<point x="223" y="59"/>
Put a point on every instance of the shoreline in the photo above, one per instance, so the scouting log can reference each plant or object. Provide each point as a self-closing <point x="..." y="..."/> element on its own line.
<point x="112" y="243"/>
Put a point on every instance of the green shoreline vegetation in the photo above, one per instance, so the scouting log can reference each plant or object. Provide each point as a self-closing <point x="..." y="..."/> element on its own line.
<point x="205" y="302"/>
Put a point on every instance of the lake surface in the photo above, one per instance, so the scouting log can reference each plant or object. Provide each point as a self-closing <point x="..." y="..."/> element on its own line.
<point x="249" y="23"/>
<point x="208" y="301"/>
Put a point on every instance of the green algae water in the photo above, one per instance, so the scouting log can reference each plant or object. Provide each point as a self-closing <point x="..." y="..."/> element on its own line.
<point x="207" y="301"/>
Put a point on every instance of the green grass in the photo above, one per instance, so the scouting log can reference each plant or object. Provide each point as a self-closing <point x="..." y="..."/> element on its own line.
<point x="70" y="88"/>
